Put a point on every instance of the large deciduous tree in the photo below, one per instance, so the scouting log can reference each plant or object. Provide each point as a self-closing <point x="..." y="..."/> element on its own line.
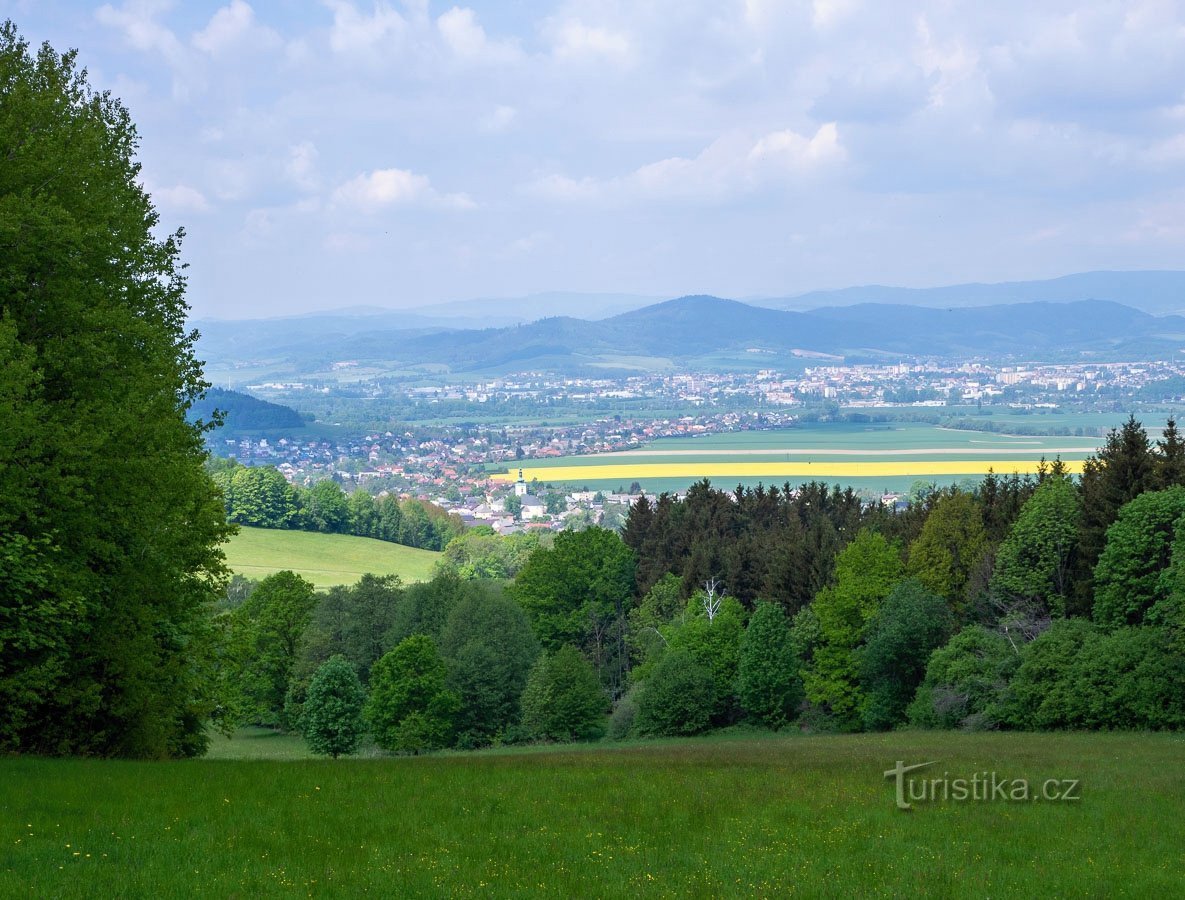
<point x="109" y="525"/>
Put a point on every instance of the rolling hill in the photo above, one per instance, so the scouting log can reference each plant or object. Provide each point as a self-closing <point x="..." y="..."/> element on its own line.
<point x="324" y="559"/>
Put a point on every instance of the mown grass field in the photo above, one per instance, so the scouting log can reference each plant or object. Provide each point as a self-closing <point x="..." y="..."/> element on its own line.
<point x="324" y="559"/>
<point x="773" y="816"/>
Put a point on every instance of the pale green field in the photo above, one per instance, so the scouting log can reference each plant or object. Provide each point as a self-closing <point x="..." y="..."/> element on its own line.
<point x="324" y="559"/>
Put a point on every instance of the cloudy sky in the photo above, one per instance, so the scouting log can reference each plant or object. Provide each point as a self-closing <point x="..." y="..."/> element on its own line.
<point x="354" y="152"/>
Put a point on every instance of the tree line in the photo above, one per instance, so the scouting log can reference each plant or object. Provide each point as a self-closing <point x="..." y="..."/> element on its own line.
<point x="261" y="496"/>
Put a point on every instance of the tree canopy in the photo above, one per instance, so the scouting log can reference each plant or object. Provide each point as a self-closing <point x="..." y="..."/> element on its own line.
<point x="110" y="558"/>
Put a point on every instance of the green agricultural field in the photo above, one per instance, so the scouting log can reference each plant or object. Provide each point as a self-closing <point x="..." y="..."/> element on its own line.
<point x="871" y="458"/>
<point x="768" y="816"/>
<point x="324" y="559"/>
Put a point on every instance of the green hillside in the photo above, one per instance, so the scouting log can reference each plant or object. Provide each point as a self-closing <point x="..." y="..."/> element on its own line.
<point x="324" y="559"/>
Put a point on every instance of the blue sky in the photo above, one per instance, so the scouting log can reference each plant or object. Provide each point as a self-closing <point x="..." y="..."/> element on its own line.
<point x="330" y="154"/>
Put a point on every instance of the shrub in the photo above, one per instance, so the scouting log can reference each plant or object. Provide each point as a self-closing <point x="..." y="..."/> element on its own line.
<point x="677" y="698"/>
<point x="625" y="712"/>
<point x="332" y="718"/>
<point x="1133" y="678"/>
<point x="901" y="637"/>
<point x="563" y="699"/>
<point x="409" y="707"/>
<point x="768" y="685"/>
<point x="965" y="682"/>
<point x="1041" y="694"/>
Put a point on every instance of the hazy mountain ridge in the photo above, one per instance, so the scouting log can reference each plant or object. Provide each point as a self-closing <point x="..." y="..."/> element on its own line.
<point x="709" y="332"/>
<point x="1160" y="292"/>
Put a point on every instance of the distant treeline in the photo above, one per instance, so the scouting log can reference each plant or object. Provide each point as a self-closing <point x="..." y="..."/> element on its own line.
<point x="262" y="497"/>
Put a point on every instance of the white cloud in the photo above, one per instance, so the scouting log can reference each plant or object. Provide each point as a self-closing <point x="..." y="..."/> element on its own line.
<point x="464" y="36"/>
<point x="383" y="188"/>
<point x="829" y="13"/>
<point x="301" y="167"/>
<point x="571" y="39"/>
<point x="180" y="198"/>
<point x="730" y="167"/>
<point x="356" y="33"/>
<point x="136" y="19"/>
<point x="233" y="25"/>
<point x="499" y="119"/>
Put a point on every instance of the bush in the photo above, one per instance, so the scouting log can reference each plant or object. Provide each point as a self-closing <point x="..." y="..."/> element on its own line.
<point x="901" y="637"/>
<point x="409" y="707"/>
<point x="1133" y="678"/>
<point x="1130" y="575"/>
<point x="625" y="712"/>
<point x="563" y="700"/>
<point x="965" y="682"/>
<point x="332" y="719"/>
<point x="1041" y="694"/>
<point x="678" y="697"/>
<point x="489" y="649"/>
<point x="768" y="685"/>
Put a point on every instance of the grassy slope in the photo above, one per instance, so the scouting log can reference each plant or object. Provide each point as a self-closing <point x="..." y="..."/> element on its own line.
<point x="710" y="817"/>
<point x="324" y="559"/>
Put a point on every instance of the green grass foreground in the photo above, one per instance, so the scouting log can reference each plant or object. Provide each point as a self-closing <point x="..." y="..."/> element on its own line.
<point x="324" y="559"/>
<point x="773" y="816"/>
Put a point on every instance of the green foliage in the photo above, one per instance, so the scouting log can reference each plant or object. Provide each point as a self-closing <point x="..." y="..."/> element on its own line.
<point x="326" y="508"/>
<point x="677" y="698"/>
<point x="715" y="643"/>
<point x="480" y="553"/>
<point x="1133" y="678"/>
<point x="911" y="624"/>
<point x="489" y="648"/>
<point x="1041" y="694"/>
<point x="410" y="709"/>
<point x="965" y="682"/>
<point x="266" y="633"/>
<point x="260" y="496"/>
<point x="110" y="525"/>
<point x="350" y="622"/>
<point x="1123" y="469"/>
<point x="624" y="715"/>
<point x="768" y="684"/>
<point x="948" y="548"/>
<point x="865" y="572"/>
<point x="332" y="719"/>
<point x="1129" y="577"/>
<point x="576" y="592"/>
<point x="1034" y="562"/>
<point x="563" y="700"/>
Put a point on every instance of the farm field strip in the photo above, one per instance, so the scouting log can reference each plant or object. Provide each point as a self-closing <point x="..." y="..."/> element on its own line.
<point x="803" y="451"/>
<point x="871" y="468"/>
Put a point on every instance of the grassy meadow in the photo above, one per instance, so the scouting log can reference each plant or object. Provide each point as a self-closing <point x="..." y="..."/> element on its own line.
<point x="324" y="559"/>
<point x="709" y="817"/>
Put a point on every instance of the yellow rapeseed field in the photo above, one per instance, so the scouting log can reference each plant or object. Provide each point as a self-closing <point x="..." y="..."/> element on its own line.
<point x="780" y="470"/>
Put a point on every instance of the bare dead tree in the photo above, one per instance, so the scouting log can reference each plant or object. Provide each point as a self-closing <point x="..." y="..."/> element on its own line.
<point x="712" y="599"/>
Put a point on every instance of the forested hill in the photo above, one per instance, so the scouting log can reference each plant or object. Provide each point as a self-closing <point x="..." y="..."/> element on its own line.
<point x="244" y="412"/>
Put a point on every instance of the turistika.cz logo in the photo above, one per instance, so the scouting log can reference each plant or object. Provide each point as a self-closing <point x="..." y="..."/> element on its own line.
<point x="982" y="787"/>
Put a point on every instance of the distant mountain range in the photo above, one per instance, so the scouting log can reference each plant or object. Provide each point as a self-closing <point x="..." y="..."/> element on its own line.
<point x="1155" y="292"/>
<point x="706" y="333"/>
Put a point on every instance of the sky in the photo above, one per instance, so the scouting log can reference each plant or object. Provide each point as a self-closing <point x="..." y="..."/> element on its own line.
<point x="334" y="154"/>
